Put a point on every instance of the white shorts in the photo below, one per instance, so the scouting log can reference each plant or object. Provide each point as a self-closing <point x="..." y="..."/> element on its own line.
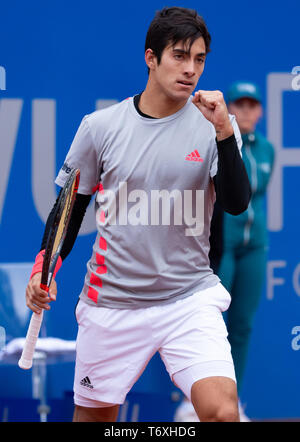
<point x="114" y="345"/>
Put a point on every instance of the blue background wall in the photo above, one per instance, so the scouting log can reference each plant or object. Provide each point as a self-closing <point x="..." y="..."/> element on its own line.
<point x="68" y="55"/>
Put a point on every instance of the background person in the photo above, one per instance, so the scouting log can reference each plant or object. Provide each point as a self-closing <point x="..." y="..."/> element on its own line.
<point x="245" y="240"/>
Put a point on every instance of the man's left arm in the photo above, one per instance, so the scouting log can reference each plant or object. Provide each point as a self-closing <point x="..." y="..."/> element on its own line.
<point x="233" y="190"/>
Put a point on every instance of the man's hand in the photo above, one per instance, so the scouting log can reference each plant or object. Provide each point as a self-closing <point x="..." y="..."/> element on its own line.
<point x="37" y="298"/>
<point x="213" y="107"/>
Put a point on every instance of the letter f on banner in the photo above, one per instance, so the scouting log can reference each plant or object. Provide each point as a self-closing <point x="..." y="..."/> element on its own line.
<point x="277" y="83"/>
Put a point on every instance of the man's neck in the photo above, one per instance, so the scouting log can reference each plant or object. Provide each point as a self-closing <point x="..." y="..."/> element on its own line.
<point x="155" y="103"/>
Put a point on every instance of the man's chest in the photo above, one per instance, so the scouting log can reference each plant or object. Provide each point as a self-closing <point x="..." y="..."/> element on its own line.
<point x="171" y="158"/>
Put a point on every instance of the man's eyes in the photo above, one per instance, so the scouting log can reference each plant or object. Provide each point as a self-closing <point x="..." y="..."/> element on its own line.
<point x="182" y="56"/>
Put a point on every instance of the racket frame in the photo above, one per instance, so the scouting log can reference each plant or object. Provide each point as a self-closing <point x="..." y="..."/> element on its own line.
<point x="49" y="263"/>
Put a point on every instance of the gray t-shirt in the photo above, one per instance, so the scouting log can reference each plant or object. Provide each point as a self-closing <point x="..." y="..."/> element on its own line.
<point x="153" y="206"/>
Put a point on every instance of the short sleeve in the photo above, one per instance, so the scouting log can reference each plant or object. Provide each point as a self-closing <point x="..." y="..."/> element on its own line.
<point x="82" y="155"/>
<point x="238" y="137"/>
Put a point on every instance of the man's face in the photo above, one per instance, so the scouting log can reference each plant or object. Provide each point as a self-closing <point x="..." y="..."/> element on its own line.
<point x="179" y="70"/>
<point x="247" y="112"/>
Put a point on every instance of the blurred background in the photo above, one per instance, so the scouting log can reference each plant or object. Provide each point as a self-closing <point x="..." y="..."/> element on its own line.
<point x="62" y="60"/>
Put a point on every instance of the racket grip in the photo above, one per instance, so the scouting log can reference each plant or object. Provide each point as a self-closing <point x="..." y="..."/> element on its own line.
<point x="33" y="331"/>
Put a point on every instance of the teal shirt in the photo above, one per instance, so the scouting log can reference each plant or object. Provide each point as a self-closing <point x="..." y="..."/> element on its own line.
<point x="249" y="228"/>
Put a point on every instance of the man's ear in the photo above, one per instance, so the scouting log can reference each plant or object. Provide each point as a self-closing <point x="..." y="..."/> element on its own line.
<point x="150" y="59"/>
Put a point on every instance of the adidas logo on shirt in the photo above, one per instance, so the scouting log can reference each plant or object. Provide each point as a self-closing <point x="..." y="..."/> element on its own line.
<point x="86" y="382"/>
<point x="194" y="156"/>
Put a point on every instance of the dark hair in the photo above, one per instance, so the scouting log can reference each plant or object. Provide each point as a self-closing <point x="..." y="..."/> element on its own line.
<point x="171" y="25"/>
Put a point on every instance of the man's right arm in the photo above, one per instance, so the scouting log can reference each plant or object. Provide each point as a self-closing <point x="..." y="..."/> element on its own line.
<point x="37" y="298"/>
<point x="78" y="212"/>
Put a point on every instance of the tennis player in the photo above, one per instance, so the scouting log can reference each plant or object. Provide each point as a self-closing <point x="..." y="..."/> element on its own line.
<point x="156" y="162"/>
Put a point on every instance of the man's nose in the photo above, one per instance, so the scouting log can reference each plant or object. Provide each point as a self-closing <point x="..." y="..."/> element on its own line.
<point x="189" y="68"/>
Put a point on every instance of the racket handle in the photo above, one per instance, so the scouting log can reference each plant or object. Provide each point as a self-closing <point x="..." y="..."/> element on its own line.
<point x="30" y="341"/>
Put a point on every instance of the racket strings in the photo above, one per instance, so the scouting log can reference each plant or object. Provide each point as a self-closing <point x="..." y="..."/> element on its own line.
<point x="58" y="231"/>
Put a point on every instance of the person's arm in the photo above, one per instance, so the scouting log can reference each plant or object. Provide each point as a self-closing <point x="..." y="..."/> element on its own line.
<point x="84" y="155"/>
<point x="232" y="186"/>
<point x="36" y="298"/>
<point x="233" y="191"/>
<point x="78" y="212"/>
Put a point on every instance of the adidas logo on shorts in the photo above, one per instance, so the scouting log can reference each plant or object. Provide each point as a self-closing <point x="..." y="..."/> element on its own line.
<point x="86" y="382"/>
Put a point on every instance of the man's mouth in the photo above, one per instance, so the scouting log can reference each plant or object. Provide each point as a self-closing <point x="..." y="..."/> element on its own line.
<point x="185" y="83"/>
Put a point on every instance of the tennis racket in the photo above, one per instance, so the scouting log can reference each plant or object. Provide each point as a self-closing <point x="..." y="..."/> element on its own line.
<point x="56" y="237"/>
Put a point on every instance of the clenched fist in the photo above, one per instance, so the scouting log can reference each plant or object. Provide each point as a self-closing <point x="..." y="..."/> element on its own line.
<point x="212" y="105"/>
